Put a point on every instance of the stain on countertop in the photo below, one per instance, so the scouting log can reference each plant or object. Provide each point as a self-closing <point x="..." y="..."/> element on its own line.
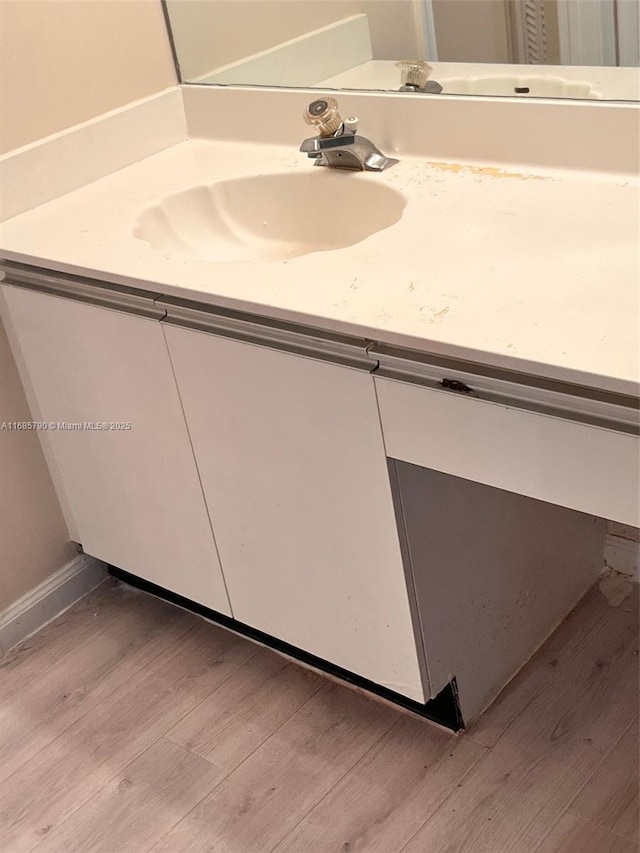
<point x="490" y="171"/>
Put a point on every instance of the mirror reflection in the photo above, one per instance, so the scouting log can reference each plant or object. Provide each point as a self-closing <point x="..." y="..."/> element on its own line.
<point x="523" y="48"/>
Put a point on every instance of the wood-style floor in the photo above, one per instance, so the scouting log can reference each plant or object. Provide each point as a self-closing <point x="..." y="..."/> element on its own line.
<point x="130" y="726"/>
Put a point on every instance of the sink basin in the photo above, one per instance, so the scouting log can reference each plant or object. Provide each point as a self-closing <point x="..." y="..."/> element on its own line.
<point x="270" y="217"/>
<point x="530" y="85"/>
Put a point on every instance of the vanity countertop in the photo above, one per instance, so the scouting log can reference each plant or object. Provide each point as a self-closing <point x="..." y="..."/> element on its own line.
<point x="533" y="271"/>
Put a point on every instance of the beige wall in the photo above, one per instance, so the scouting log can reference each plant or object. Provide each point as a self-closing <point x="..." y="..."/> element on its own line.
<point x="212" y="33"/>
<point x="65" y="61"/>
<point x="471" y="30"/>
<point x="61" y="63"/>
<point x="33" y="536"/>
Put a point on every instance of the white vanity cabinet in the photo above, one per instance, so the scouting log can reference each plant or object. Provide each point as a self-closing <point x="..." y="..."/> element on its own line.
<point x="92" y="355"/>
<point x="287" y="439"/>
<point x="419" y="522"/>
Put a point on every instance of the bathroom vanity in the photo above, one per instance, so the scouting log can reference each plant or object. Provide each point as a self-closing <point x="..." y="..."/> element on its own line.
<point x="388" y="457"/>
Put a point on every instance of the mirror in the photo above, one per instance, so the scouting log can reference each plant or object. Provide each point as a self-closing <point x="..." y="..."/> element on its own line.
<point x="517" y="48"/>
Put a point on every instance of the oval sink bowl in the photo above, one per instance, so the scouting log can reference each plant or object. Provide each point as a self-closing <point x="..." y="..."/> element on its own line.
<point x="270" y="217"/>
<point x="531" y="85"/>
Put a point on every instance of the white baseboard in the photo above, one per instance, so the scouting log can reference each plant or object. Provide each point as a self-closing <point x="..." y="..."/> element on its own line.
<point x="54" y="595"/>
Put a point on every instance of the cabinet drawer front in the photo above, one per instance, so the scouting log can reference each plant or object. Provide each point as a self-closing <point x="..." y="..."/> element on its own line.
<point x="571" y="464"/>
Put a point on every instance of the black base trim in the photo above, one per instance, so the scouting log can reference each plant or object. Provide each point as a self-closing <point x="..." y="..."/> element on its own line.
<point x="444" y="709"/>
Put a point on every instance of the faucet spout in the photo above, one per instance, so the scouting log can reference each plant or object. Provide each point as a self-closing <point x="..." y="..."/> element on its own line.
<point x="346" y="151"/>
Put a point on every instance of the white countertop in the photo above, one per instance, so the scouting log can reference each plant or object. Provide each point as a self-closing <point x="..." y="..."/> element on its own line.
<point x="534" y="272"/>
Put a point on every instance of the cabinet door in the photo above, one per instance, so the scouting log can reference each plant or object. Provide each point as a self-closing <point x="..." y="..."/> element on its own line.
<point x="294" y="472"/>
<point x="134" y="494"/>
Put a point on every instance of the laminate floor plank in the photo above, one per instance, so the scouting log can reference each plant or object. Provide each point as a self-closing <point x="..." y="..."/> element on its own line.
<point x="235" y="719"/>
<point x="610" y="797"/>
<point x="527" y="780"/>
<point x="84" y="677"/>
<point x="60" y="778"/>
<point x="389" y="794"/>
<point x="573" y="834"/>
<point x="196" y="740"/>
<point x="27" y="661"/>
<point x="268" y="794"/>
<point x="139" y="805"/>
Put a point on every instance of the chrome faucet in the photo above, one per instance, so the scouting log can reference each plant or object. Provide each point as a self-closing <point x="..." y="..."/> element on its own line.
<point x="338" y="145"/>
<point x="431" y="87"/>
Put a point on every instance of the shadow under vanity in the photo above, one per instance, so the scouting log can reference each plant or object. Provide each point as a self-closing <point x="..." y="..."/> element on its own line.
<point x="414" y="525"/>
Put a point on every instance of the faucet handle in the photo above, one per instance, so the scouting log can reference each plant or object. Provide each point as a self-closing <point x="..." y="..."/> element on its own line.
<point x="323" y="114"/>
<point x="414" y="74"/>
<point x="351" y="124"/>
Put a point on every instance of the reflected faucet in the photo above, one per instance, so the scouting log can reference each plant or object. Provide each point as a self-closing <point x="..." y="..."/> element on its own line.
<point x="338" y="145"/>
<point x="415" y="77"/>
